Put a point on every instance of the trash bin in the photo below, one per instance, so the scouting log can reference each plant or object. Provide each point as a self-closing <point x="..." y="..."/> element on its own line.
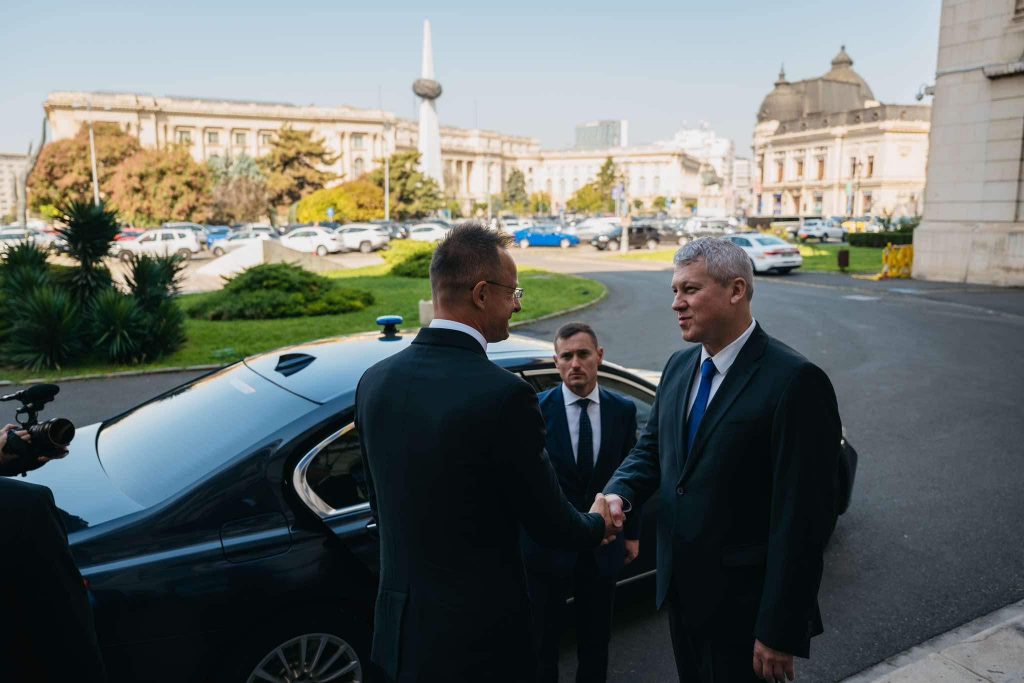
<point x="844" y="259"/>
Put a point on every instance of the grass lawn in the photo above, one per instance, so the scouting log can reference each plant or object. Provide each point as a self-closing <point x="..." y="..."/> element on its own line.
<point x="818" y="258"/>
<point x="221" y="342"/>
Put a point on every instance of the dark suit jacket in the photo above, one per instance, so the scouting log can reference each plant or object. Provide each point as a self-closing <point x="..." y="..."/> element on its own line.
<point x="42" y="598"/>
<point x="618" y="435"/>
<point x="746" y="515"/>
<point x="454" y="448"/>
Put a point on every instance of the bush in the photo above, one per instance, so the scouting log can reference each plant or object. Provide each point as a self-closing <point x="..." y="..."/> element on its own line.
<point x="44" y="330"/>
<point x="414" y="265"/>
<point x="154" y="279"/>
<point x="89" y="232"/>
<point x="399" y="250"/>
<point x="279" y="290"/>
<point x="879" y="239"/>
<point x="118" y="327"/>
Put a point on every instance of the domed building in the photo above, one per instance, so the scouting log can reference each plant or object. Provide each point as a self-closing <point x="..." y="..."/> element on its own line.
<point x="826" y="147"/>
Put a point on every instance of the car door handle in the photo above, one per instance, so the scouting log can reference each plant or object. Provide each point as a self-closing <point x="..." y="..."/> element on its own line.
<point x="371" y="525"/>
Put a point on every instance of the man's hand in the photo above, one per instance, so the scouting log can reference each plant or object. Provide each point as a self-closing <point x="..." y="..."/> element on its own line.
<point x="611" y="528"/>
<point x="632" y="550"/>
<point x="7" y="459"/>
<point x="772" y="665"/>
<point x="615" y="506"/>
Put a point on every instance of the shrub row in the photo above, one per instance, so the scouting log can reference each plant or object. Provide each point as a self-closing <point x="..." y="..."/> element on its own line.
<point x="879" y="239"/>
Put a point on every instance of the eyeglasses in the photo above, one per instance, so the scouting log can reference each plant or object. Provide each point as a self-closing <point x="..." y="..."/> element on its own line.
<point x="517" y="292"/>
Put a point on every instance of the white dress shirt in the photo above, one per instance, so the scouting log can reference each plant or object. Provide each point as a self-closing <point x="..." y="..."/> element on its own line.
<point x="723" y="360"/>
<point x="459" y="327"/>
<point x="572" y="414"/>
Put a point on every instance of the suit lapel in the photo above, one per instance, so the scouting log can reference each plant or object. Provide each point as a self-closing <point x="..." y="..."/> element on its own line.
<point x="558" y="423"/>
<point x="743" y="368"/>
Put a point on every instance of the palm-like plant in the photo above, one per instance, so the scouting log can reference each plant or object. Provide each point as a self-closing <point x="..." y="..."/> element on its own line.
<point x="118" y="326"/>
<point x="154" y="279"/>
<point x="89" y="230"/>
<point x="44" y="330"/>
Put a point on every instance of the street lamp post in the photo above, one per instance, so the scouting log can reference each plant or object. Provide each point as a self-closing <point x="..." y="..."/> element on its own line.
<point x="92" y="155"/>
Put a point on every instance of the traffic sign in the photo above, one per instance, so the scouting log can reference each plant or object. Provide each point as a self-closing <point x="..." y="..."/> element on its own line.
<point x="330" y="213"/>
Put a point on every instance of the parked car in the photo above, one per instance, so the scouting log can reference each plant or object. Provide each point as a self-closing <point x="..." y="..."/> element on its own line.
<point x="640" y="236"/>
<point x="160" y="242"/>
<point x="241" y="238"/>
<point x="365" y="237"/>
<point x="199" y="230"/>
<point x="216" y="233"/>
<point x="590" y="228"/>
<point x="396" y="231"/>
<point x="513" y="224"/>
<point x="768" y="253"/>
<point x="223" y="527"/>
<point x="701" y="227"/>
<point x="822" y="230"/>
<point x="128" y="234"/>
<point x="312" y="240"/>
<point x="428" y="232"/>
<point x="862" y="224"/>
<point x="545" y="236"/>
<point x="17" y="235"/>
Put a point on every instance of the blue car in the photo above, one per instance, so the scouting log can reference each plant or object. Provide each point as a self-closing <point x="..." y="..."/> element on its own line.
<point x="216" y="233"/>
<point x="545" y="236"/>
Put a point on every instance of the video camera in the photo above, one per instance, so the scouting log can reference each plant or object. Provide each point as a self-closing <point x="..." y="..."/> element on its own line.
<point x="49" y="439"/>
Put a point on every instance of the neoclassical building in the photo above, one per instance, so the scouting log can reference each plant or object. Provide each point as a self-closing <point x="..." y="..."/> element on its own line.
<point x="826" y="147"/>
<point x="476" y="163"/>
<point x="10" y="165"/>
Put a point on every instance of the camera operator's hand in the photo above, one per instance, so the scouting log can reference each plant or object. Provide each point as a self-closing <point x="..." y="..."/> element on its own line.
<point x="8" y="460"/>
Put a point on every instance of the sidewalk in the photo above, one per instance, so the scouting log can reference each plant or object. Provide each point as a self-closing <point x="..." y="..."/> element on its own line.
<point x="988" y="649"/>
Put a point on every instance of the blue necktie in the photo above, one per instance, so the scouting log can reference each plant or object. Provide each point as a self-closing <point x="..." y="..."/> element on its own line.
<point x="585" y="444"/>
<point x="707" y="373"/>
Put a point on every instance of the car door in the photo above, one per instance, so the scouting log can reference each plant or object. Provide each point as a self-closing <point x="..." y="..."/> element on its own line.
<point x="149" y="243"/>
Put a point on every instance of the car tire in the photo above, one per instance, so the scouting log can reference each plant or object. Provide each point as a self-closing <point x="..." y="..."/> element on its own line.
<point x="365" y="247"/>
<point x="321" y="250"/>
<point x="185" y="254"/>
<point x="565" y="243"/>
<point x="125" y="256"/>
<point x="753" y="266"/>
<point x="652" y="244"/>
<point x="218" y="252"/>
<point x="783" y="271"/>
<point x="524" y="244"/>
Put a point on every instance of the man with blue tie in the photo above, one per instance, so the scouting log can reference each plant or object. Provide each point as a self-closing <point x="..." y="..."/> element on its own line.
<point x="590" y="430"/>
<point x="742" y="447"/>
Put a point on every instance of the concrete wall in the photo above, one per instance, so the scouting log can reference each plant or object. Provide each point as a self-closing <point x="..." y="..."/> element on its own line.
<point x="973" y="227"/>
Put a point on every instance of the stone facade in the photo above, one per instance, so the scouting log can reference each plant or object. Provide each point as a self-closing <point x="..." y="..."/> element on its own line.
<point x="973" y="226"/>
<point x="825" y="147"/>
<point x="10" y="164"/>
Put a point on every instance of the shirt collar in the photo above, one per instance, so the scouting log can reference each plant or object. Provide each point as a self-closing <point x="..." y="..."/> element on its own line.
<point x="724" y="359"/>
<point x="571" y="398"/>
<point x="460" y="327"/>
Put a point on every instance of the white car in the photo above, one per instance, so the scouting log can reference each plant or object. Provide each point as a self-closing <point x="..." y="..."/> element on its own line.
<point x="428" y="232"/>
<point x="17" y="235"/>
<point x="243" y="237"/>
<point x="815" y="228"/>
<point x="768" y="253"/>
<point x="365" y="237"/>
<point x="312" y="240"/>
<point x="595" y="227"/>
<point x="160" y="242"/>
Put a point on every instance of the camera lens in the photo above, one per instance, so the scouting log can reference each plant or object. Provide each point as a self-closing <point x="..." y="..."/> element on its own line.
<point x="57" y="432"/>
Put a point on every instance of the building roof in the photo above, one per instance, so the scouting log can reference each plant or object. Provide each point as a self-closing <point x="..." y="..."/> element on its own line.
<point x="840" y="89"/>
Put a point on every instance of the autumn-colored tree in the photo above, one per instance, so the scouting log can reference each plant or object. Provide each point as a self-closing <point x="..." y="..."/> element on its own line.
<point x="158" y="185"/>
<point x="412" y="193"/>
<point x="596" y="196"/>
<point x="292" y="167"/>
<point x="540" y="202"/>
<point x="660" y="203"/>
<point x="63" y="172"/>
<point x="239" y="190"/>
<point x="356" y="200"/>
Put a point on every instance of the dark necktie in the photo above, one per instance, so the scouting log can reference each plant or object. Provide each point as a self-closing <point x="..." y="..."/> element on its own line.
<point x="585" y="445"/>
<point x="707" y="373"/>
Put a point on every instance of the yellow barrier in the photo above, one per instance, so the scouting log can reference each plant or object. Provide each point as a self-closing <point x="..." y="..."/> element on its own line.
<point x="897" y="262"/>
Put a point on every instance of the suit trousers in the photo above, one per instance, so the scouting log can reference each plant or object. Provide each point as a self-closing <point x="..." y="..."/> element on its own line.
<point x="721" y="651"/>
<point x="593" y="602"/>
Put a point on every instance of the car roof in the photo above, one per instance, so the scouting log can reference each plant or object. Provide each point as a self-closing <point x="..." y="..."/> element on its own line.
<point x="338" y="363"/>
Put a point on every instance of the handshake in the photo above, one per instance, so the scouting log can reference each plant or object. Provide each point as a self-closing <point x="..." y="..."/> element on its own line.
<point x="610" y="509"/>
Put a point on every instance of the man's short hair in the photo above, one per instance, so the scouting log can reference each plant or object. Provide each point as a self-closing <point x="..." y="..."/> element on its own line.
<point x="471" y="252"/>
<point x="572" y="329"/>
<point x="723" y="260"/>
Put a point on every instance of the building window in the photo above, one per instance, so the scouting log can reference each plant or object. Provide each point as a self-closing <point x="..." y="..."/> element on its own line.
<point x="212" y="137"/>
<point x="818" y="203"/>
<point x="760" y="205"/>
<point x="358" y="141"/>
<point x="657" y="184"/>
<point x="853" y="166"/>
<point x="778" y="171"/>
<point x="871" y="166"/>
<point x="777" y="204"/>
<point x="867" y="203"/>
<point x="800" y="169"/>
<point x="240" y="139"/>
<point x="184" y="137"/>
<point x="266" y="138"/>
<point x="561" y="187"/>
<point x="357" y="167"/>
<point x="1018" y="10"/>
<point x="821" y="169"/>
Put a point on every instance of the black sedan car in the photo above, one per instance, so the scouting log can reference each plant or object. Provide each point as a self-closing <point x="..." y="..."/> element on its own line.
<point x="640" y="236"/>
<point x="223" y="527"/>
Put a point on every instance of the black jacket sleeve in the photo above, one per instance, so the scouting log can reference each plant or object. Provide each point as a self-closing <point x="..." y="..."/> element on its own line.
<point x="528" y="477"/>
<point x="635" y="516"/>
<point x="805" y="449"/>
<point x="639" y="474"/>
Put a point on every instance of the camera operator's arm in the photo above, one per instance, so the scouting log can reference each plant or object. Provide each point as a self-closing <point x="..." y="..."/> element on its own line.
<point x="11" y="464"/>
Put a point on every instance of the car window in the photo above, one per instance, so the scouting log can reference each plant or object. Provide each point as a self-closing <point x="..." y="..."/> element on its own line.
<point x="742" y="241"/>
<point x="148" y="238"/>
<point x="182" y="235"/>
<point x="161" y="447"/>
<point x="768" y="240"/>
<point x="336" y="473"/>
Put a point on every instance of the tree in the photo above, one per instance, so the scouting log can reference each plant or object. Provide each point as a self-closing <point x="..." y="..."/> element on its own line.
<point x="638" y="204"/>
<point x="660" y="203"/>
<point x="540" y="202"/>
<point x="63" y="172"/>
<point x="607" y="177"/>
<point x="412" y="193"/>
<point x="239" y="191"/>
<point x="596" y="196"/>
<point x="292" y="167"/>
<point x="356" y="200"/>
<point x="454" y="207"/>
<point x="515" y="191"/>
<point x="158" y="185"/>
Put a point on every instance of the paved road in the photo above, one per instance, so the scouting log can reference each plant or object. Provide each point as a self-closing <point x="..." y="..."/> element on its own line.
<point x="929" y="383"/>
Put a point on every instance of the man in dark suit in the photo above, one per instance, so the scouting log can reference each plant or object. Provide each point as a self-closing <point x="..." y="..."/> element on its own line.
<point x="454" y="449"/>
<point x="46" y="629"/>
<point x="742" y="446"/>
<point x="590" y="431"/>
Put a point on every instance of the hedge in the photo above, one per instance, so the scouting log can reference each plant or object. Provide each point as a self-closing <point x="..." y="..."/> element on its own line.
<point x="879" y="239"/>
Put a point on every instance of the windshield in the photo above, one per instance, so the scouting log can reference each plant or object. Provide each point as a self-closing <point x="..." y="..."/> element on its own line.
<point x="768" y="240"/>
<point x="159" y="448"/>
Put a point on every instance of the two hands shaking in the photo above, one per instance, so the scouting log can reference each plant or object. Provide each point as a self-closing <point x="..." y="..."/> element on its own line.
<point x="610" y="509"/>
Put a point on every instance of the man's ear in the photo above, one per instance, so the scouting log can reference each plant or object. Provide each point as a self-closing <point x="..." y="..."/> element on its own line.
<point x="479" y="294"/>
<point x="600" y="355"/>
<point x="739" y="290"/>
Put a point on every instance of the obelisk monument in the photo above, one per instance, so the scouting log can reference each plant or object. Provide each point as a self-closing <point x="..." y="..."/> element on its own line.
<point x="428" y="90"/>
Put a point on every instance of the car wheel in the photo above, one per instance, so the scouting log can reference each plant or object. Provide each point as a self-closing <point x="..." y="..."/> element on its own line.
<point x="683" y="241"/>
<point x="365" y="247"/>
<point x="753" y="266"/>
<point x="613" y="245"/>
<point x="218" y="252"/>
<point x="783" y="271"/>
<point x="125" y="256"/>
<point x="524" y="243"/>
<point x="564" y="244"/>
<point x="313" y="656"/>
<point x="652" y="244"/>
<point x="185" y="254"/>
<point x="321" y="250"/>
